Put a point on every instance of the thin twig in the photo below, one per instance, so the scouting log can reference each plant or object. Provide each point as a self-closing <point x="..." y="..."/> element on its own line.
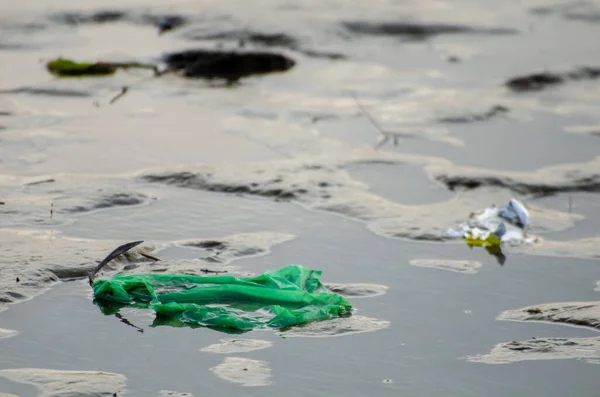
<point x="145" y="255"/>
<point x="386" y="135"/>
<point x="119" y="95"/>
<point x="40" y="182"/>
<point x="125" y="89"/>
<point x="213" y="271"/>
<point x="369" y="116"/>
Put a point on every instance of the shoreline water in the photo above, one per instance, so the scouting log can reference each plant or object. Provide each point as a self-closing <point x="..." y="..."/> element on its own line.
<point x="395" y="123"/>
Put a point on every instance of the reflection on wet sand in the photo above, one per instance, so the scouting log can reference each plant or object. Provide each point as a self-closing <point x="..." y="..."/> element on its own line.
<point x="52" y="382"/>
<point x="228" y="346"/>
<point x="354" y="324"/>
<point x="585" y="349"/>
<point x="244" y="371"/>
<point x="585" y="314"/>
<point x="464" y="266"/>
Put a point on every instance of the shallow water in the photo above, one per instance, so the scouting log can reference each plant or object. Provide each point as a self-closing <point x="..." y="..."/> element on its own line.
<point x="393" y="126"/>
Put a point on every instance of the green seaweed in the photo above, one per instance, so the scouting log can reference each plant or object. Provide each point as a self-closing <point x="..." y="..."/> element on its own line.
<point x="68" y="68"/>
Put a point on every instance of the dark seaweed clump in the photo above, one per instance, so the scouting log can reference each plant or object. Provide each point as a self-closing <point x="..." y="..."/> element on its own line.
<point x="209" y="245"/>
<point x="227" y="65"/>
<point x="543" y="80"/>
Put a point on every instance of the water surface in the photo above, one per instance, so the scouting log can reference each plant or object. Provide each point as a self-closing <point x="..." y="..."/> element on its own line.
<point x="393" y="126"/>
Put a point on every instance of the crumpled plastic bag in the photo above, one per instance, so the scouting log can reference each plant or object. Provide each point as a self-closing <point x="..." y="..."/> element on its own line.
<point x="493" y="227"/>
<point x="515" y="213"/>
<point x="289" y="296"/>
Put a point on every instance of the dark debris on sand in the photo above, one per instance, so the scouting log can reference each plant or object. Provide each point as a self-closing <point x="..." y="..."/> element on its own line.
<point x="227" y="65"/>
<point x="585" y="184"/>
<point x="54" y="92"/>
<point x="109" y="201"/>
<point x="204" y="181"/>
<point x="583" y="314"/>
<point x="95" y="17"/>
<point x="543" y="80"/>
<point x="495" y="111"/>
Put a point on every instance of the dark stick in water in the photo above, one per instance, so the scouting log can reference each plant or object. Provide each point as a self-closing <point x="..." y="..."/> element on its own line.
<point x="213" y="271"/>
<point x="145" y="255"/>
<point x="119" y="95"/>
<point x="118" y="251"/>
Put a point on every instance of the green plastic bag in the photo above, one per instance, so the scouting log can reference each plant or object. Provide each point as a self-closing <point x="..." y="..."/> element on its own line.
<point x="289" y="296"/>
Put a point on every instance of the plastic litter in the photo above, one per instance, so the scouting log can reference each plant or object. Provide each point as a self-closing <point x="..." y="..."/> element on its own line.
<point x="484" y="238"/>
<point x="494" y="227"/>
<point x="488" y="240"/>
<point x="281" y="298"/>
<point x="509" y="223"/>
<point x="515" y="212"/>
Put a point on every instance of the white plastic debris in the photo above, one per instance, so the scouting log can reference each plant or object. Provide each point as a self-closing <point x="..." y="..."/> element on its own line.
<point x="516" y="213"/>
<point x="508" y="223"/>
